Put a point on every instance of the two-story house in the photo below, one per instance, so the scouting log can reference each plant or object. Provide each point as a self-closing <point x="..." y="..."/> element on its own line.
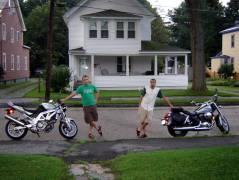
<point x="14" y="57"/>
<point x="230" y="49"/>
<point x="110" y="41"/>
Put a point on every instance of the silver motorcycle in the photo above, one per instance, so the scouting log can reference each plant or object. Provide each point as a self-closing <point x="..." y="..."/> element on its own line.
<point x="179" y="121"/>
<point x="41" y="120"/>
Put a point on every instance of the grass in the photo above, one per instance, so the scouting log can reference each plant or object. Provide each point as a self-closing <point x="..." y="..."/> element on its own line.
<point x="16" y="86"/>
<point x="196" y="164"/>
<point x="23" y="167"/>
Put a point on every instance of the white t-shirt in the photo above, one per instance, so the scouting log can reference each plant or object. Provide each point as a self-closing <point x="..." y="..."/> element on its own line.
<point x="149" y="97"/>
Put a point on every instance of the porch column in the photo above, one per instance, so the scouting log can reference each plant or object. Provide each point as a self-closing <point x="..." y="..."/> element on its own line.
<point x="176" y="64"/>
<point x="127" y="65"/>
<point x="92" y="69"/>
<point x="155" y="65"/>
<point x="186" y="64"/>
<point x="166" y="65"/>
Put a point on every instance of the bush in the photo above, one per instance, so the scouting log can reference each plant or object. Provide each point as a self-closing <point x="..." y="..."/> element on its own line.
<point x="1" y="72"/>
<point x="60" y="78"/>
<point x="226" y="70"/>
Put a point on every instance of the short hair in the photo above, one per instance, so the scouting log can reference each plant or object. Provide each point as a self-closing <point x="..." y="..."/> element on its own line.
<point x="153" y="79"/>
<point x="85" y="76"/>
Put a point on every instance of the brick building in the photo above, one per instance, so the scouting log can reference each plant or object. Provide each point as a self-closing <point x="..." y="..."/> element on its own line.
<point x="14" y="57"/>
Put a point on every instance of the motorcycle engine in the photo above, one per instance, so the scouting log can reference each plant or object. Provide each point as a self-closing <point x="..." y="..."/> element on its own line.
<point x="41" y="125"/>
<point x="208" y="116"/>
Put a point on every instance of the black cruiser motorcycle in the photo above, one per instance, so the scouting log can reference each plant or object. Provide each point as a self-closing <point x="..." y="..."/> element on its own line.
<point x="179" y="121"/>
<point x="41" y="120"/>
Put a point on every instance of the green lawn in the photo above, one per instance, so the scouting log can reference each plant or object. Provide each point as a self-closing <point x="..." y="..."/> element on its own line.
<point x="15" y="85"/>
<point x="24" y="167"/>
<point x="196" y="164"/>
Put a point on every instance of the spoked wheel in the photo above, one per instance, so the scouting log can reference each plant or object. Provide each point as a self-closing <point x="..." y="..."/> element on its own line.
<point x="222" y="124"/>
<point x="174" y="133"/>
<point x="13" y="133"/>
<point x="68" y="131"/>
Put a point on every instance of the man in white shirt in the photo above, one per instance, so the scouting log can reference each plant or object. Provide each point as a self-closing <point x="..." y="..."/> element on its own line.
<point x="147" y="101"/>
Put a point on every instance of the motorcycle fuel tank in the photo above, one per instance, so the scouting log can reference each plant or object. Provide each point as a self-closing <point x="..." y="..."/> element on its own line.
<point x="204" y="109"/>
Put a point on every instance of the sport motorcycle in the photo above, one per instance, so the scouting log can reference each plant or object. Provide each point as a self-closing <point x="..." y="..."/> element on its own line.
<point x="38" y="121"/>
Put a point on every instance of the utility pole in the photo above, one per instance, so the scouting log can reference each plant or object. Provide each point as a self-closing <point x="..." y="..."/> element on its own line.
<point x="49" y="49"/>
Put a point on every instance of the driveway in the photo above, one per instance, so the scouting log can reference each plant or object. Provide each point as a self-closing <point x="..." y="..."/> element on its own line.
<point x="120" y="123"/>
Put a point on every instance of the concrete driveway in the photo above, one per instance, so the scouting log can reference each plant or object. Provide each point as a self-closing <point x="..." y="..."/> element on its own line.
<point x="120" y="123"/>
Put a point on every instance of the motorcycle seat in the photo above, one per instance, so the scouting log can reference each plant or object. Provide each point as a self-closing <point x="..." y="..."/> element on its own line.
<point x="180" y="109"/>
<point x="30" y="110"/>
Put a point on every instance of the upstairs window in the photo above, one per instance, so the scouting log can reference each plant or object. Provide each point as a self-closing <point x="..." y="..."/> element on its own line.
<point x="120" y="30"/>
<point x="104" y="29"/>
<point x="4" y="31"/>
<point x="18" y="63"/>
<point x="131" y="30"/>
<point x="12" y="62"/>
<point x="12" y="35"/>
<point x="18" y="36"/>
<point x="4" y="61"/>
<point x="233" y="41"/>
<point x="12" y="8"/>
<point x="93" y="29"/>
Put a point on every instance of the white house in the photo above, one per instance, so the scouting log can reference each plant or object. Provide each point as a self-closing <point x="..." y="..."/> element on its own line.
<point x="110" y="40"/>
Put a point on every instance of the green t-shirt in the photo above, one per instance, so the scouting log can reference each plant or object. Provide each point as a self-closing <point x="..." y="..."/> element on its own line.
<point x="87" y="93"/>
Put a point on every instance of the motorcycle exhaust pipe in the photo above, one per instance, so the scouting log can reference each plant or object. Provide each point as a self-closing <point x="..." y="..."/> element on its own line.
<point x="14" y="120"/>
<point x="192" y="129"/>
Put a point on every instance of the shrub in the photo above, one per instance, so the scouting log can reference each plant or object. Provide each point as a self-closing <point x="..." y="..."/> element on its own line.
<point x="1" y="72"/>
<point x="226" y="70"/>
<point x="60" y="78"/>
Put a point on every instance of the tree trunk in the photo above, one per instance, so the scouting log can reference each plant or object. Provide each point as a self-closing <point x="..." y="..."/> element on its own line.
<point x="49" y="49"/>
<point x="197" y="45"/>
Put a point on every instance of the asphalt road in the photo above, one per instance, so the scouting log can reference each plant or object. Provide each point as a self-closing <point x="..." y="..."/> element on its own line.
<point x="120" y="123"/>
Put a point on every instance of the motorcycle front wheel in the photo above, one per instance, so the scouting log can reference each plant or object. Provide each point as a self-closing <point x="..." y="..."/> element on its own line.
<point x="222" y="124"/>
<point x="13" y="133"/>
<point x="174" y="133"/>
<point x="68" y="131"/>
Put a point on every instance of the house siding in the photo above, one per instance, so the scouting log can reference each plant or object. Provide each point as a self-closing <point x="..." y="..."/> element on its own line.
<point x="13" y="47"/>
<point x="228" y="50"/>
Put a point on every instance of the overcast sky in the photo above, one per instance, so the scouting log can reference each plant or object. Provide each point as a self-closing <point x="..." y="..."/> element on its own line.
<point x="165" y="5"/>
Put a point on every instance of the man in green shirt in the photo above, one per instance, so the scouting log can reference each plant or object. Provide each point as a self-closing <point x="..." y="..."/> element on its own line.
<point x="89" y="96"/>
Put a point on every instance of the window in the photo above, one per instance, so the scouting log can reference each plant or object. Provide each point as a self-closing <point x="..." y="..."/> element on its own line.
<point x="18" y="63"/>
<point x="104" y="29"/>
<point x="12" y="35"/>
<point x="233" y="41"/>
<point x="120" y="30"/>
<point x="12" y="62"/>
<point x="18" y="36"/>
<point x="12" y="8"/>
<point x="4" y="61"/>
<point x="131" y="29"/>
<point x="93" y="29"/>
<point x="26" y="63"/>
<point x="4" y="31"/>
<point x="120" y="64"/>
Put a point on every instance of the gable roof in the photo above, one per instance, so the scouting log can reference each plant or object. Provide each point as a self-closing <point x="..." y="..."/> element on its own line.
<point x="81" y="3"/>
<point x="220" y="55"/>
<point x="151" y="46"/>
<point x="111" y="13"/>
<point x="4" y="3"/>
<point x="230" y="30"/>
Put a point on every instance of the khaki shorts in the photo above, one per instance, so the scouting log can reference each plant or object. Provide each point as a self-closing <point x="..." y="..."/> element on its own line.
<point x="90" y="114"/>
<point x="144" y="115"/>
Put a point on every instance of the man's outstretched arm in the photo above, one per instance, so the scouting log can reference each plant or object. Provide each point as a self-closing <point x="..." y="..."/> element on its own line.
<point x="69" y="97"/>
<point x="166" y="100"/>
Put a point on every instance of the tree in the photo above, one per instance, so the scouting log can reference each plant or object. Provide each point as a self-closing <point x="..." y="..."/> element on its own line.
<point x="49" y="49"/>
<point x="212" y="20"/>
<point x="231" y="13"/>
<point x="197" y="45"/>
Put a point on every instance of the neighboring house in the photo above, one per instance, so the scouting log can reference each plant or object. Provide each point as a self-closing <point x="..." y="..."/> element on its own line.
<point x="14" y="55"/>
<point x="111" y="42"/>
<point x="230" y="49"/>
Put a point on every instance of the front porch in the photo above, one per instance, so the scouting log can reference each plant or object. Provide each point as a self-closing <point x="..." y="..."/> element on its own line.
<point x="132" y="71"/>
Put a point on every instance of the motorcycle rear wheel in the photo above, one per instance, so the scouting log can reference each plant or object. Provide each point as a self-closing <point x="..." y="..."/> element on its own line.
<point x="15" y="134"/>
<point x="174" y="133"/>
<point x="222" y="124"/>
